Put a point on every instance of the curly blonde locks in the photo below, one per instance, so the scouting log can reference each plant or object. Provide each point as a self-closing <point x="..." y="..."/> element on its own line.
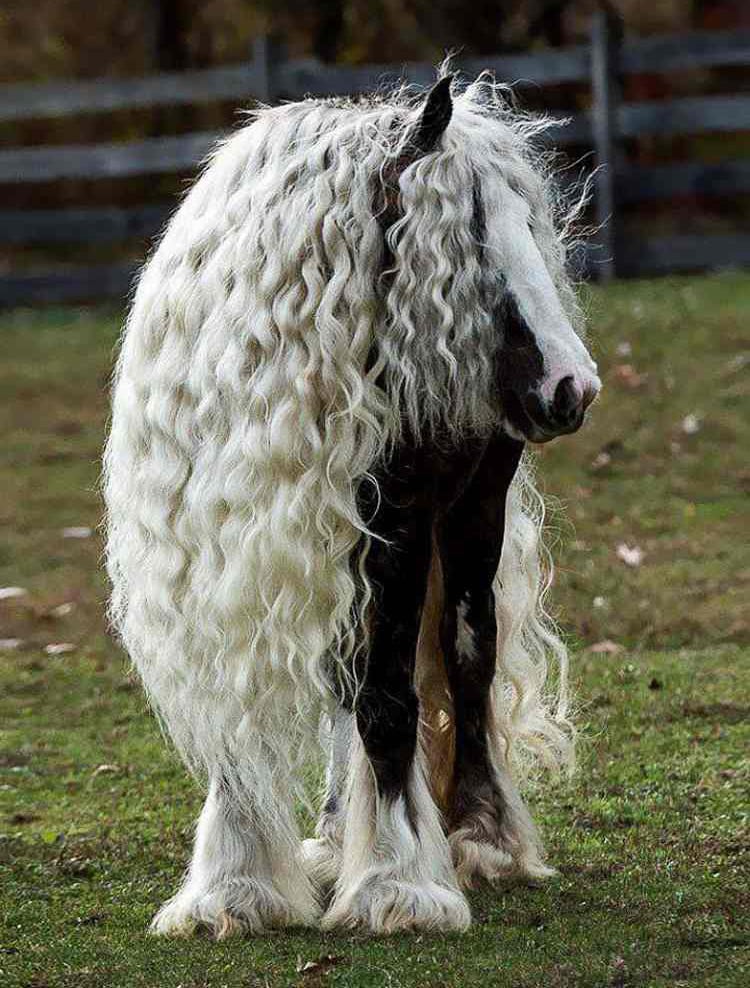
<point x="266" y="366"/>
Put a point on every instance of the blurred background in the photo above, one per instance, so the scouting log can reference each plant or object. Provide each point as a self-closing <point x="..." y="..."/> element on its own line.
<point x="105" y="110"/>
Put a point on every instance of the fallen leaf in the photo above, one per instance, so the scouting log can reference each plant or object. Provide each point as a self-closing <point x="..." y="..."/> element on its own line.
<point x="59" y="648"/>
<point x="739" y="361"/>
<point x="105" y="769"/>
<point x="627" y="375"/>
<point x="600" y="602"/>
<point x="62" y="610"/>
<point x="630" y="555"/>
<point x="12" y="593"/>
<point x="601" y="460"/>
<point x="605" y="647"/>
<point x="624" y="349"/>
<point x="77" y="532"/>
<point x="10" y="644"/>
<point x="320" y="964"/>
<point x="307" y="966"/>
<point x="690" y="424"/>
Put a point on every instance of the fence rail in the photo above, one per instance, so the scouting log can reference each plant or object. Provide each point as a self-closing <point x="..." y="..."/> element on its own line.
<point x="269" y="76"/>
<point x="661" y="53"/>
<point x="104" y="225"/>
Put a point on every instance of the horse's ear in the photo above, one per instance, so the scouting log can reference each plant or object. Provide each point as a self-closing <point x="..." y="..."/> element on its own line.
<point x="435" y="116"/>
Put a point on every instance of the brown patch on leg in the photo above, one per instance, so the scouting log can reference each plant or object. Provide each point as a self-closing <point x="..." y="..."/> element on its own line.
<point x="436" y="715"/>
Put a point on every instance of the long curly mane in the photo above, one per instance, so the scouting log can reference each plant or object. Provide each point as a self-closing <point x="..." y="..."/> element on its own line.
<point x="279" y="341"/>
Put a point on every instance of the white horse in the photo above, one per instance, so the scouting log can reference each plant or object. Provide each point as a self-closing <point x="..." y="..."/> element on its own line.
<point x="318" y="506"/>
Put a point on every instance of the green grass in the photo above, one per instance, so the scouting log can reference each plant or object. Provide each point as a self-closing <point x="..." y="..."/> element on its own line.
<point x="651" y="839"/>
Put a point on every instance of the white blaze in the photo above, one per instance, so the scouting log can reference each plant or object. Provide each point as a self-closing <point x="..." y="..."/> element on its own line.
<point x="522" y="267"/>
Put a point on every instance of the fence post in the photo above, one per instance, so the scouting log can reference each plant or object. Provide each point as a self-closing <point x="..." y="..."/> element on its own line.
<point x="267" y="52"/>
<point x="606" y="37"/>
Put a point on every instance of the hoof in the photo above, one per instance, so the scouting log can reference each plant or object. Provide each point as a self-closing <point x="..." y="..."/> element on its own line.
<point x="388" y="905"/>
<point x="237" y="907"/>
<point x="479" y="859"/>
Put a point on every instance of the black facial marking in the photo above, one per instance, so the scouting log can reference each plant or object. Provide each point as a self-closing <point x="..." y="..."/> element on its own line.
<point x="520" y="365"/>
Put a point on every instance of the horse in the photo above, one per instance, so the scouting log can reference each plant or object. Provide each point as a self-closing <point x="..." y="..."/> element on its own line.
<point x="322" y="528"/>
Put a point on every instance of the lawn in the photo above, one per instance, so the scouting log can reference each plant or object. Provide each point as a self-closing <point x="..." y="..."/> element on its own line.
<point x="651" y="535"/>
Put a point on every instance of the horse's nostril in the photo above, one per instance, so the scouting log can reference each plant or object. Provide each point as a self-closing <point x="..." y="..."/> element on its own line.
<point x="566" y="403"/>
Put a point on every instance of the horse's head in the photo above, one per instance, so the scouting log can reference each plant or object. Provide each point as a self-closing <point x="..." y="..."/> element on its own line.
<point x="546" y="376"/>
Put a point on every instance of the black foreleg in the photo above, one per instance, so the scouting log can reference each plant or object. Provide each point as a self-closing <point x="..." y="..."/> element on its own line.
<point x="492" y="833"/>
<point x="396" y="870"/>
<point x="387" y="710"/>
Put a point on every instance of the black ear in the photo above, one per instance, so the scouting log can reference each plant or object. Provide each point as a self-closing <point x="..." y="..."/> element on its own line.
<point x="435" y="117"/>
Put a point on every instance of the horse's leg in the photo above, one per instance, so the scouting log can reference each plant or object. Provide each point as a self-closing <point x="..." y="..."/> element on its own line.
<point x="492" y="833"/>
<point x="396" y="871"/>
<point x="245" y="874"/>
<point x="322" y="853"/>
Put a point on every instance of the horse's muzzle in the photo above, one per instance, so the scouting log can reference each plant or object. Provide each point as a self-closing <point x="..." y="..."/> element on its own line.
<point x="539" y="421"/>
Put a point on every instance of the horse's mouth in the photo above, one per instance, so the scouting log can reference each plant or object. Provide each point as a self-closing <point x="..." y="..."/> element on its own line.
<point x="526" y="419"/>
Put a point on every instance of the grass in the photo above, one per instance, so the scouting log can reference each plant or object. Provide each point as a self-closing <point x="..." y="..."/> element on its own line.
<point x="651" y="839"/>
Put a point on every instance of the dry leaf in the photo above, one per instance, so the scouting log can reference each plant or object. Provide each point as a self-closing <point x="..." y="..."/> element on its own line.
<point x="601" y="460"/>
<point x="690" y="424"/>
<point x="605" y="647"/>
<point x="738" y="362"/>
<point x="59" y="648"/>
<point x="624" y="349"/>
<point x="630" y="555"/>
<point x="321" y="964"/>
<point x="600" y="601"/>
<point x="77" y="532"/>
<point x="628" y="376"/>
<point x="10" y="644"/>
<point x="12" y="593"/>
<point x="105" y="769"/>
<point x="62" y="610"/>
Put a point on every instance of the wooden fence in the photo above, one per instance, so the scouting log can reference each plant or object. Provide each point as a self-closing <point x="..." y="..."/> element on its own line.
<point x="269" y="77"/>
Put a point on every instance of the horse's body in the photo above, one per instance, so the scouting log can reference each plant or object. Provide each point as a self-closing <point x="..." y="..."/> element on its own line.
<point x="317" y="500"/>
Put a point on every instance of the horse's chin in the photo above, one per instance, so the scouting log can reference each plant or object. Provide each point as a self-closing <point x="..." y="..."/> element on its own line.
<point x="532" y="434"/>
<point x="526" y="433"/>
